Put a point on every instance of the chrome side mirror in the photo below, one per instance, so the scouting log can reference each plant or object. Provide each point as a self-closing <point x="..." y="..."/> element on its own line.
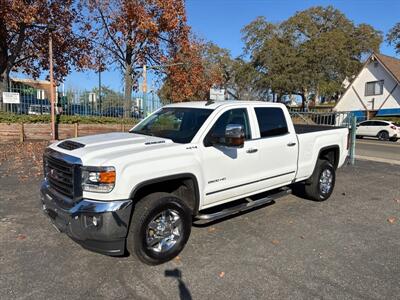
<point x="234" y="135"/>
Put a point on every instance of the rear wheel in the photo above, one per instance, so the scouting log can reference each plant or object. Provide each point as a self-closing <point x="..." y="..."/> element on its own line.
<point x="320" y="186"/>
<point x="383" y="135"/>
<point x="160" y="227"/>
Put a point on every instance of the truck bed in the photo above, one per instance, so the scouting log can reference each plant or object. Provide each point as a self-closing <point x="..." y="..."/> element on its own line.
<point x="305" y="128"/>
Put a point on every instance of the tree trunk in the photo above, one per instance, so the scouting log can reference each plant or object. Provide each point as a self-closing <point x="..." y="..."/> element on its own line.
<point x="128" y="91"/>
<point x="4" y="79"/>
<point x="303" y="100"/>
<point x="316" y="98"/>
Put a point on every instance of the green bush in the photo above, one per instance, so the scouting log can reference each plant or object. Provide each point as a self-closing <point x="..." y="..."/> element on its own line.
<point x="63" y="119"/>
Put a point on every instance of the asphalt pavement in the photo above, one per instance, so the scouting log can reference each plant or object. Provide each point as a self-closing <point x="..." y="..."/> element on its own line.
<point x="375" y="150"/>
<point x="343" y="248"/>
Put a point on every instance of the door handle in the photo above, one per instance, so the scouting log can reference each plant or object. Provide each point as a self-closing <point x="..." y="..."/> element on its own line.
<point x="291" y="144"/>
<point x="252" y="150"/>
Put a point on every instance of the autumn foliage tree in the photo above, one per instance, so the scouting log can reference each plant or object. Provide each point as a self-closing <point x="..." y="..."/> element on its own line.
<point x="134" y="33"/>
<point x="190" y="74"/>
<point x="24" y="35"/>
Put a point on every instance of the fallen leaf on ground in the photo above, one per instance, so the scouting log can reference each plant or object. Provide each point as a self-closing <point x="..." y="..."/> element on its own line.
<point x="391" y="220"/>
<point x="222" y="274"/>
<point x="397" y="200"/>
<point x="302" y="237"/>
<point x="21" y="237"/>
<point x="275" y="242"/>
<point x="212" y="229"/>
<point x="178" y="258"/>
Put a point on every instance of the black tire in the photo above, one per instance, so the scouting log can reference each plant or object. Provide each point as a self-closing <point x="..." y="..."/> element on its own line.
<point x="394" y="139"/>
<point x="383" y="135"/>
<point x="145" y="211"/>
<point x="359" y="136"/>
<point x="313" y="188"/>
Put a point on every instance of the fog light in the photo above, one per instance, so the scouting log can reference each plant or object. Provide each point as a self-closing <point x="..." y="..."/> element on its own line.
<point x="92" y="221"/>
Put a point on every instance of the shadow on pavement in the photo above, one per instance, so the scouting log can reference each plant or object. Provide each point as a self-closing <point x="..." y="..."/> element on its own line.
<point x="184" y="293"/>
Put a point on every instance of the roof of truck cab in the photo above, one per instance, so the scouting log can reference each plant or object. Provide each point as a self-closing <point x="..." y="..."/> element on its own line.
<point x="215" y="104"/>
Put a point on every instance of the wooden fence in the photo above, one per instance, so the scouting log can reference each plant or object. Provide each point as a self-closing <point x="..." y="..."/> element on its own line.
<point x="23" y="132"/>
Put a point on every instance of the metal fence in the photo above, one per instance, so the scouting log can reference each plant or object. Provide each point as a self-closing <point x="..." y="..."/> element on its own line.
<point x="342" y="119"/>
<point x="108" y="103"/>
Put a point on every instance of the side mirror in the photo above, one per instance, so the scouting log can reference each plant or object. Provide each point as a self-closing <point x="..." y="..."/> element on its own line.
<point x="234" y="136"/>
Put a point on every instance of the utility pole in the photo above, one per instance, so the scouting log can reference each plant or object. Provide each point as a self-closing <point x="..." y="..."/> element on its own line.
<point x="53" y="123"/>
<point x="144" y="85"/>
<point x="100" y="83"/>
<point x="144" y="90"/>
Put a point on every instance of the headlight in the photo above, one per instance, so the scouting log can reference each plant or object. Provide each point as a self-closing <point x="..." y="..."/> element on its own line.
<point x="98" y="179"/>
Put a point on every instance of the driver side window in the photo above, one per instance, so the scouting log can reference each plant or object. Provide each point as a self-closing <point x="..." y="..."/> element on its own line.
<point x="234" y="116"/>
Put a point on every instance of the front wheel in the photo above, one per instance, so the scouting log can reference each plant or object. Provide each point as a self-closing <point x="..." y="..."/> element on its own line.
<point x="322" y="181"/>
<point x="160" y="227"/>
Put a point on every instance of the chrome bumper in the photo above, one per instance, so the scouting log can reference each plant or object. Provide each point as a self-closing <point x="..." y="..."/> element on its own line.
<point x="101" y="226"/>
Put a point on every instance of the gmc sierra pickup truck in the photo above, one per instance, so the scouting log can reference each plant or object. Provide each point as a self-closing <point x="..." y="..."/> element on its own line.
<point x="139" y="192"/>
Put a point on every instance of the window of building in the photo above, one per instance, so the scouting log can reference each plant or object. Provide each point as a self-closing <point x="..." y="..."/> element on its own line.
<point x="271" y="121"/>
<point x="373" y="88"/>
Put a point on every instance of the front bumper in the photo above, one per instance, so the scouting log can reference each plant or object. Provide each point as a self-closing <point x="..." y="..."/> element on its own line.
<point x="100" y="226"/>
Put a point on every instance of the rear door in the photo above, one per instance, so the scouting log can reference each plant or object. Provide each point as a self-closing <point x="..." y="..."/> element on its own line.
<point x="278" y="146"/>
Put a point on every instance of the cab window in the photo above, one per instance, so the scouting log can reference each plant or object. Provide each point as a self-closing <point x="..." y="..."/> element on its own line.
<point x="234" y="116"/>
<point x="271" y="121"/>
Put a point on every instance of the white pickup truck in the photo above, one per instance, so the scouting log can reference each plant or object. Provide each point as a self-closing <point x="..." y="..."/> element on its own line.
<point x="140" y="192"/>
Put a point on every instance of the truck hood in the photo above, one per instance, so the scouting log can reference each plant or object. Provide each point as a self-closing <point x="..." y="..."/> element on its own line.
<point x="96" y="149"/>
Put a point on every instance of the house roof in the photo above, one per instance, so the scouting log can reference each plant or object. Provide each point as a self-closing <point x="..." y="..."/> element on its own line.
<point x="392" y="64"/>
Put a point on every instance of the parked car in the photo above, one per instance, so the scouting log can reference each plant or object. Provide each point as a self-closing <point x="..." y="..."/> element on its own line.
<point x="383" y="130"/>
<point x="79" y="110"/>
<point x="141" y="190"/>
<point x="37" y="109"/>
<point x="116" y="112"/>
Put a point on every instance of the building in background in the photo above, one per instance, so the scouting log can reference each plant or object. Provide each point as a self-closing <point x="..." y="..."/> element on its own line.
<point x="375" y="91"/>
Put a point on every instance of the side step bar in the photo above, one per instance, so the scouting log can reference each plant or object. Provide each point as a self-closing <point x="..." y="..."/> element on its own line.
<point x="206" y="218"/>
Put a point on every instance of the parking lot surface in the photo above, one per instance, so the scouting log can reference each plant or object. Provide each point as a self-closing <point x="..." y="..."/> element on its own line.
<point x="346" y="247"/>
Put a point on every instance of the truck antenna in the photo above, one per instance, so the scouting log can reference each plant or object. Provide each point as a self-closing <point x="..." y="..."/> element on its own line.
<point x="209" y="102"/>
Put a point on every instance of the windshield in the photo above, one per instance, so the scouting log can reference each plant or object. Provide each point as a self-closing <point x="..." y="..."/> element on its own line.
<point x="176" y="123"/>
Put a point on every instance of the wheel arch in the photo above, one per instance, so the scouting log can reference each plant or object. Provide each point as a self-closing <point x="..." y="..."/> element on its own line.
<point x="383" y="130"/>
<point x="184" y="185"/>
<point x="330" y="153"/>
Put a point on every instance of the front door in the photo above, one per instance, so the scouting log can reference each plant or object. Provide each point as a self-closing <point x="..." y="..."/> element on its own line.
<point x="228" y="171"/>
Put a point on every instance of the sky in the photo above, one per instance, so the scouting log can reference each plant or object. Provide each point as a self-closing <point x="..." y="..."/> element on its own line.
<point x="221" y="21"/>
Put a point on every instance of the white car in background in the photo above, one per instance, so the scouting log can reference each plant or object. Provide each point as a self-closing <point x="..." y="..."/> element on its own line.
<point x="383" y="130"/>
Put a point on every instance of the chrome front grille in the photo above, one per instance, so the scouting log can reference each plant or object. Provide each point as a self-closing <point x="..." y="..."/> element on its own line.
<point x="63" y="176"/>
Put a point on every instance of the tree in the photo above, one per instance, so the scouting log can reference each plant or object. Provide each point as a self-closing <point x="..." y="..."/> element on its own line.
<point x="136" y="33"/>
<point x="310" y="53"/>
<point x="24" y="35"/>
<point x="207" y="65"/>
<point x="393" y="37"/>
<point x="187" y="77"/>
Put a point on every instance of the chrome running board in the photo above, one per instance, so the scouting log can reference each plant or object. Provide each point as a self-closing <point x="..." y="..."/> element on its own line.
<point x="206" y="218"/>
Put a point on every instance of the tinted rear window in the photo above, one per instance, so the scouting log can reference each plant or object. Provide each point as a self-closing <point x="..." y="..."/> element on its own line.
<point x="271" y="121"/>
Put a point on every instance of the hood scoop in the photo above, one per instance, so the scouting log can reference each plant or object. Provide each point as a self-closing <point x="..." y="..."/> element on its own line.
<point x="70" y="145"/>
